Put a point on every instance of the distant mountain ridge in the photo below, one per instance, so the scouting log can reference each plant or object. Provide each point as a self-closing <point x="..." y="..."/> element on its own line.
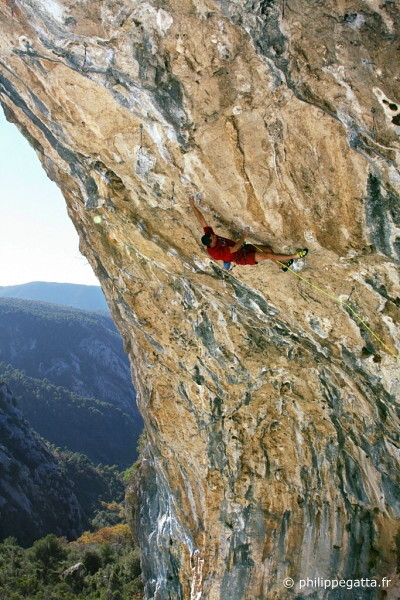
<point x="85" y="297"/>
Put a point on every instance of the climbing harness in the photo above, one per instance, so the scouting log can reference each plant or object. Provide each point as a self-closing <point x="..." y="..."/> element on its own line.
<point x="342" y="303"/>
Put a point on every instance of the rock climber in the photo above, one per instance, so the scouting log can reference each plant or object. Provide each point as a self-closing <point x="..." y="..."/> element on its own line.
<point x="239" y="252"/>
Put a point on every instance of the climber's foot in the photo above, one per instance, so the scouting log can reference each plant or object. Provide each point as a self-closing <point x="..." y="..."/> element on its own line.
<point x="302" y="253"/>
<point x="287" y="263"/>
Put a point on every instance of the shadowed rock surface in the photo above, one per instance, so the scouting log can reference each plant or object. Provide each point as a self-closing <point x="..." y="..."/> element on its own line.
<point x="35" y="498"/>
<point x="271" y="413"/>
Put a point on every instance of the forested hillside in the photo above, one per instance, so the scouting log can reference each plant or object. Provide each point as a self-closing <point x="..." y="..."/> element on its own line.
<point x="35" y="496"/>
<point x="101" y="430"/>
<point x="70" y="382"/>
<point x="79" y="350"/>
<point x="44" y="489"/>
<point x="68" y="370"/>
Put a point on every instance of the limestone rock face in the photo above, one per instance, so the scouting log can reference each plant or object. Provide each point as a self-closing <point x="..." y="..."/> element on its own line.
<point x="271" y="412"/>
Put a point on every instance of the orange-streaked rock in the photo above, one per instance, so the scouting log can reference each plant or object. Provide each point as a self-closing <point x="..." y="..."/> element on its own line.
<point x="271" y="413"/>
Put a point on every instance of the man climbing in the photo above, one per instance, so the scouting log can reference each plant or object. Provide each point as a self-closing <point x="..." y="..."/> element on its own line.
<point x="238" y="252"/>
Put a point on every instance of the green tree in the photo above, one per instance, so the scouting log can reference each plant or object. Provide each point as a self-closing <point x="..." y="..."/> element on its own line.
<point x="107" y="554"/>
<point x="47" y="554"/>
<point x="11" y="560"/>
<point x="92" y="561"/>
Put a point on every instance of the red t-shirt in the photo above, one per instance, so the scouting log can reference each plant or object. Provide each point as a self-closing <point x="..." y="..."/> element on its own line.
<point x="221" y="249"/>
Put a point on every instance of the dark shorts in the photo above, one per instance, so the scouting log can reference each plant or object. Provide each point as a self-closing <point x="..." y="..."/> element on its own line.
<point x="246" y="255"/>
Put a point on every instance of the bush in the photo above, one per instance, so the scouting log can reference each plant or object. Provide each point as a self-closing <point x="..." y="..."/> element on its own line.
<point x="110" y="568"/>
<point x="92" y="561"/>
<point x="47" y="554"/>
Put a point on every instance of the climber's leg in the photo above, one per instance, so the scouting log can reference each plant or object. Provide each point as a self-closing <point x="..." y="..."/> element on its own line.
<point x="260" y="256"/>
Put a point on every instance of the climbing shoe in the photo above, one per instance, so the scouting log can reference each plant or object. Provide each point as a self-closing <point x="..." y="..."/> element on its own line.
<point x="302" y="253"/>
<point x="227" y="265"/>
<point x="287" y="263"/>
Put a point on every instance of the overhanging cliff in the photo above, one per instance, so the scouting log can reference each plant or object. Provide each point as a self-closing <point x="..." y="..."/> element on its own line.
<point x="271" y="413"/>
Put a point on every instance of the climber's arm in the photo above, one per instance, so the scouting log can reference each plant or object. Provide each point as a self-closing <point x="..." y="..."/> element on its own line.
<point x="198" y="214"/>
<point x="240" y="242"/>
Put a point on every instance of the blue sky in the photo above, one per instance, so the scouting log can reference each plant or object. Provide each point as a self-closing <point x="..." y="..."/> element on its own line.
<point x="37" y="239"/>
